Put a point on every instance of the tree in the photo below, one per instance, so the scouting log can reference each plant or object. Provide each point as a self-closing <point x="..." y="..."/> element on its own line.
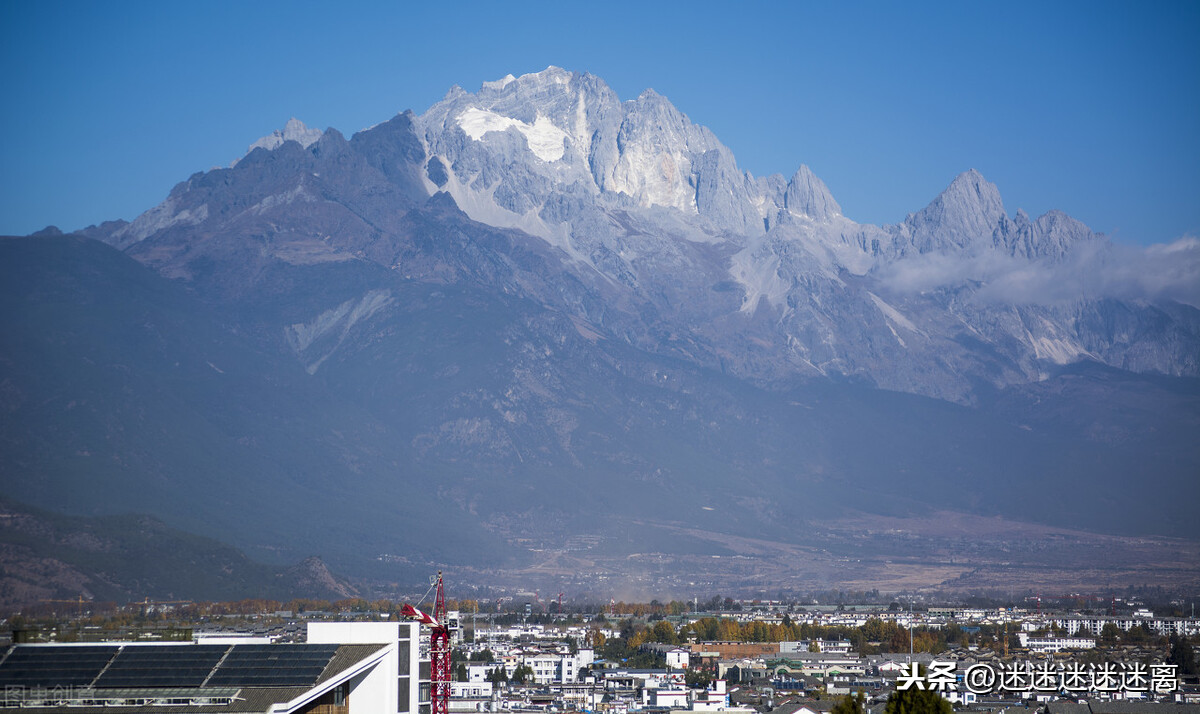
<point x="1110" y="634"/>
<point x="595" y="638"/>
<point x="1182" y="656"/>
<point x="523" y="674"/>
<point x="498" y="675"/>
<point x="460" y="672"/>
<point x="917" y="701"/>
<point x="663" y="632"/>
<point x="899" y="641"/>
<point x="850" y="704"/>
<point x="697" y="679"/>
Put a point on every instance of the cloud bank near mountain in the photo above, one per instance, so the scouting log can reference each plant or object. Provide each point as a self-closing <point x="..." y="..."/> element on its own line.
<point x="1167" y="271"/>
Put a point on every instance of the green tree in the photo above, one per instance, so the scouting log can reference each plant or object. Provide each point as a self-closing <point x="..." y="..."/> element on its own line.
<point x="697" y="679"/>
<point x="482" y="656"/>
<point x="917" y="701"/>
<point x="1110" y="634"/>
<point x="498" y="675"/>
<point x="1182" y="656"/>
<point x="850" y="704"/>
<point x="523" y="674"/>
<point x="460" y="672"/>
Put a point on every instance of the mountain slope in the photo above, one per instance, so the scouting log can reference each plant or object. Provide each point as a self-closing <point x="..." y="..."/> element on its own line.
<point x="48" y="557"/>
<point x="123" y="392"/>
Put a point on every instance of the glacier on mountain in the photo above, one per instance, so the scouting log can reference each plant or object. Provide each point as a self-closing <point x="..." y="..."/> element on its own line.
<point x="545" y="140"/>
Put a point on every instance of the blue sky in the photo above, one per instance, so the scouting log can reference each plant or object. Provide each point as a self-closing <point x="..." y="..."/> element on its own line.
<point x="1088" y="107"/>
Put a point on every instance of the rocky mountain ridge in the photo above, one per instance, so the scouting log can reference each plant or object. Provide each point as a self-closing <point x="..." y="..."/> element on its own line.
<point x="643" y="212"/>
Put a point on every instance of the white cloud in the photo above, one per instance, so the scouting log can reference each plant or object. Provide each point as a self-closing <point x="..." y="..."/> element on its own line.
<point x="1096" y="270"/>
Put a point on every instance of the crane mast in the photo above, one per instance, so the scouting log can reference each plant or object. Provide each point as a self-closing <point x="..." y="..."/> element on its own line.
<point x="439" y="649"/>
<point x="439" y="653"/>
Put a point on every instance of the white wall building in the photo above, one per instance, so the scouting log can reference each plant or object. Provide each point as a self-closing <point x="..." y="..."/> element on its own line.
<point x="678" y="658"/>
<point x="400" y="683"/>
<point x="1054" y="643"/>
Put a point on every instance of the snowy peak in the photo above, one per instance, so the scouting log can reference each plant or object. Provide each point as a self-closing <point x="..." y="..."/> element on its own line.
<point x="808" y="196"/>
<point x="552" y="151"/>
<point x="564" y="140"/>
<point x="643" y="224"/>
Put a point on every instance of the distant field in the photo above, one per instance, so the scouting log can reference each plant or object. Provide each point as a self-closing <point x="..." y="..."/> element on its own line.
<point x="944" y="552"/>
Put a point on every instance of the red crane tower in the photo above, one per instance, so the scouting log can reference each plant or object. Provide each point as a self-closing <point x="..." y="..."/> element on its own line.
<point x="439" y="649"/>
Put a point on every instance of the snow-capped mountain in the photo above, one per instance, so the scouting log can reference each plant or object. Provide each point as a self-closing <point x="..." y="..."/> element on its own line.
<point x="762" y="277"/>
<point x="538" y="286"/>
<point x="638" y="193"/>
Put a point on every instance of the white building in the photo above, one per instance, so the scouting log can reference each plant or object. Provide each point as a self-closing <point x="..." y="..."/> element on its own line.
<point x="552" y="668"/>
<point x="397" y="684"/>
<point x="471" y="697"/>
<point x="1054" y="643"/>
<point x="548" y="668"/>
<point x="348" y="668"/>
<point x="678" y="658"/>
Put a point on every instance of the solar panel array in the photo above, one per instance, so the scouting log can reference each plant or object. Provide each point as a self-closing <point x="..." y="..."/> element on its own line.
<point x="165" y="666"/>
<point x="273" y="666"/>
<point x="162" y="666"/>
<point x="65" y="666"/>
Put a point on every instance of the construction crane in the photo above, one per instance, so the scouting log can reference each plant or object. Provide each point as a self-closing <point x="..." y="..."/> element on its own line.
<point x="439" y="649"/>
<point x="80" y="601"/>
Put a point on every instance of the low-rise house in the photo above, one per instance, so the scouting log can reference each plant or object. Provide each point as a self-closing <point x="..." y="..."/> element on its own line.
<point x="820" y="664"/>
<point x="471" y="697"/>
<point x="1054" y="643"/>
<point x="736" y="650"/>
<point x="714" y="698"/>
<point x="834" y="646"/>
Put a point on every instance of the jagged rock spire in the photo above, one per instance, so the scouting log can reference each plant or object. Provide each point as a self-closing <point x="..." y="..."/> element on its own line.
<point x="808" y="195"/>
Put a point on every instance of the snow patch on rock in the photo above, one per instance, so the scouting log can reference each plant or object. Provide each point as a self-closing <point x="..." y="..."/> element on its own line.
<point x="545" y="139"/>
